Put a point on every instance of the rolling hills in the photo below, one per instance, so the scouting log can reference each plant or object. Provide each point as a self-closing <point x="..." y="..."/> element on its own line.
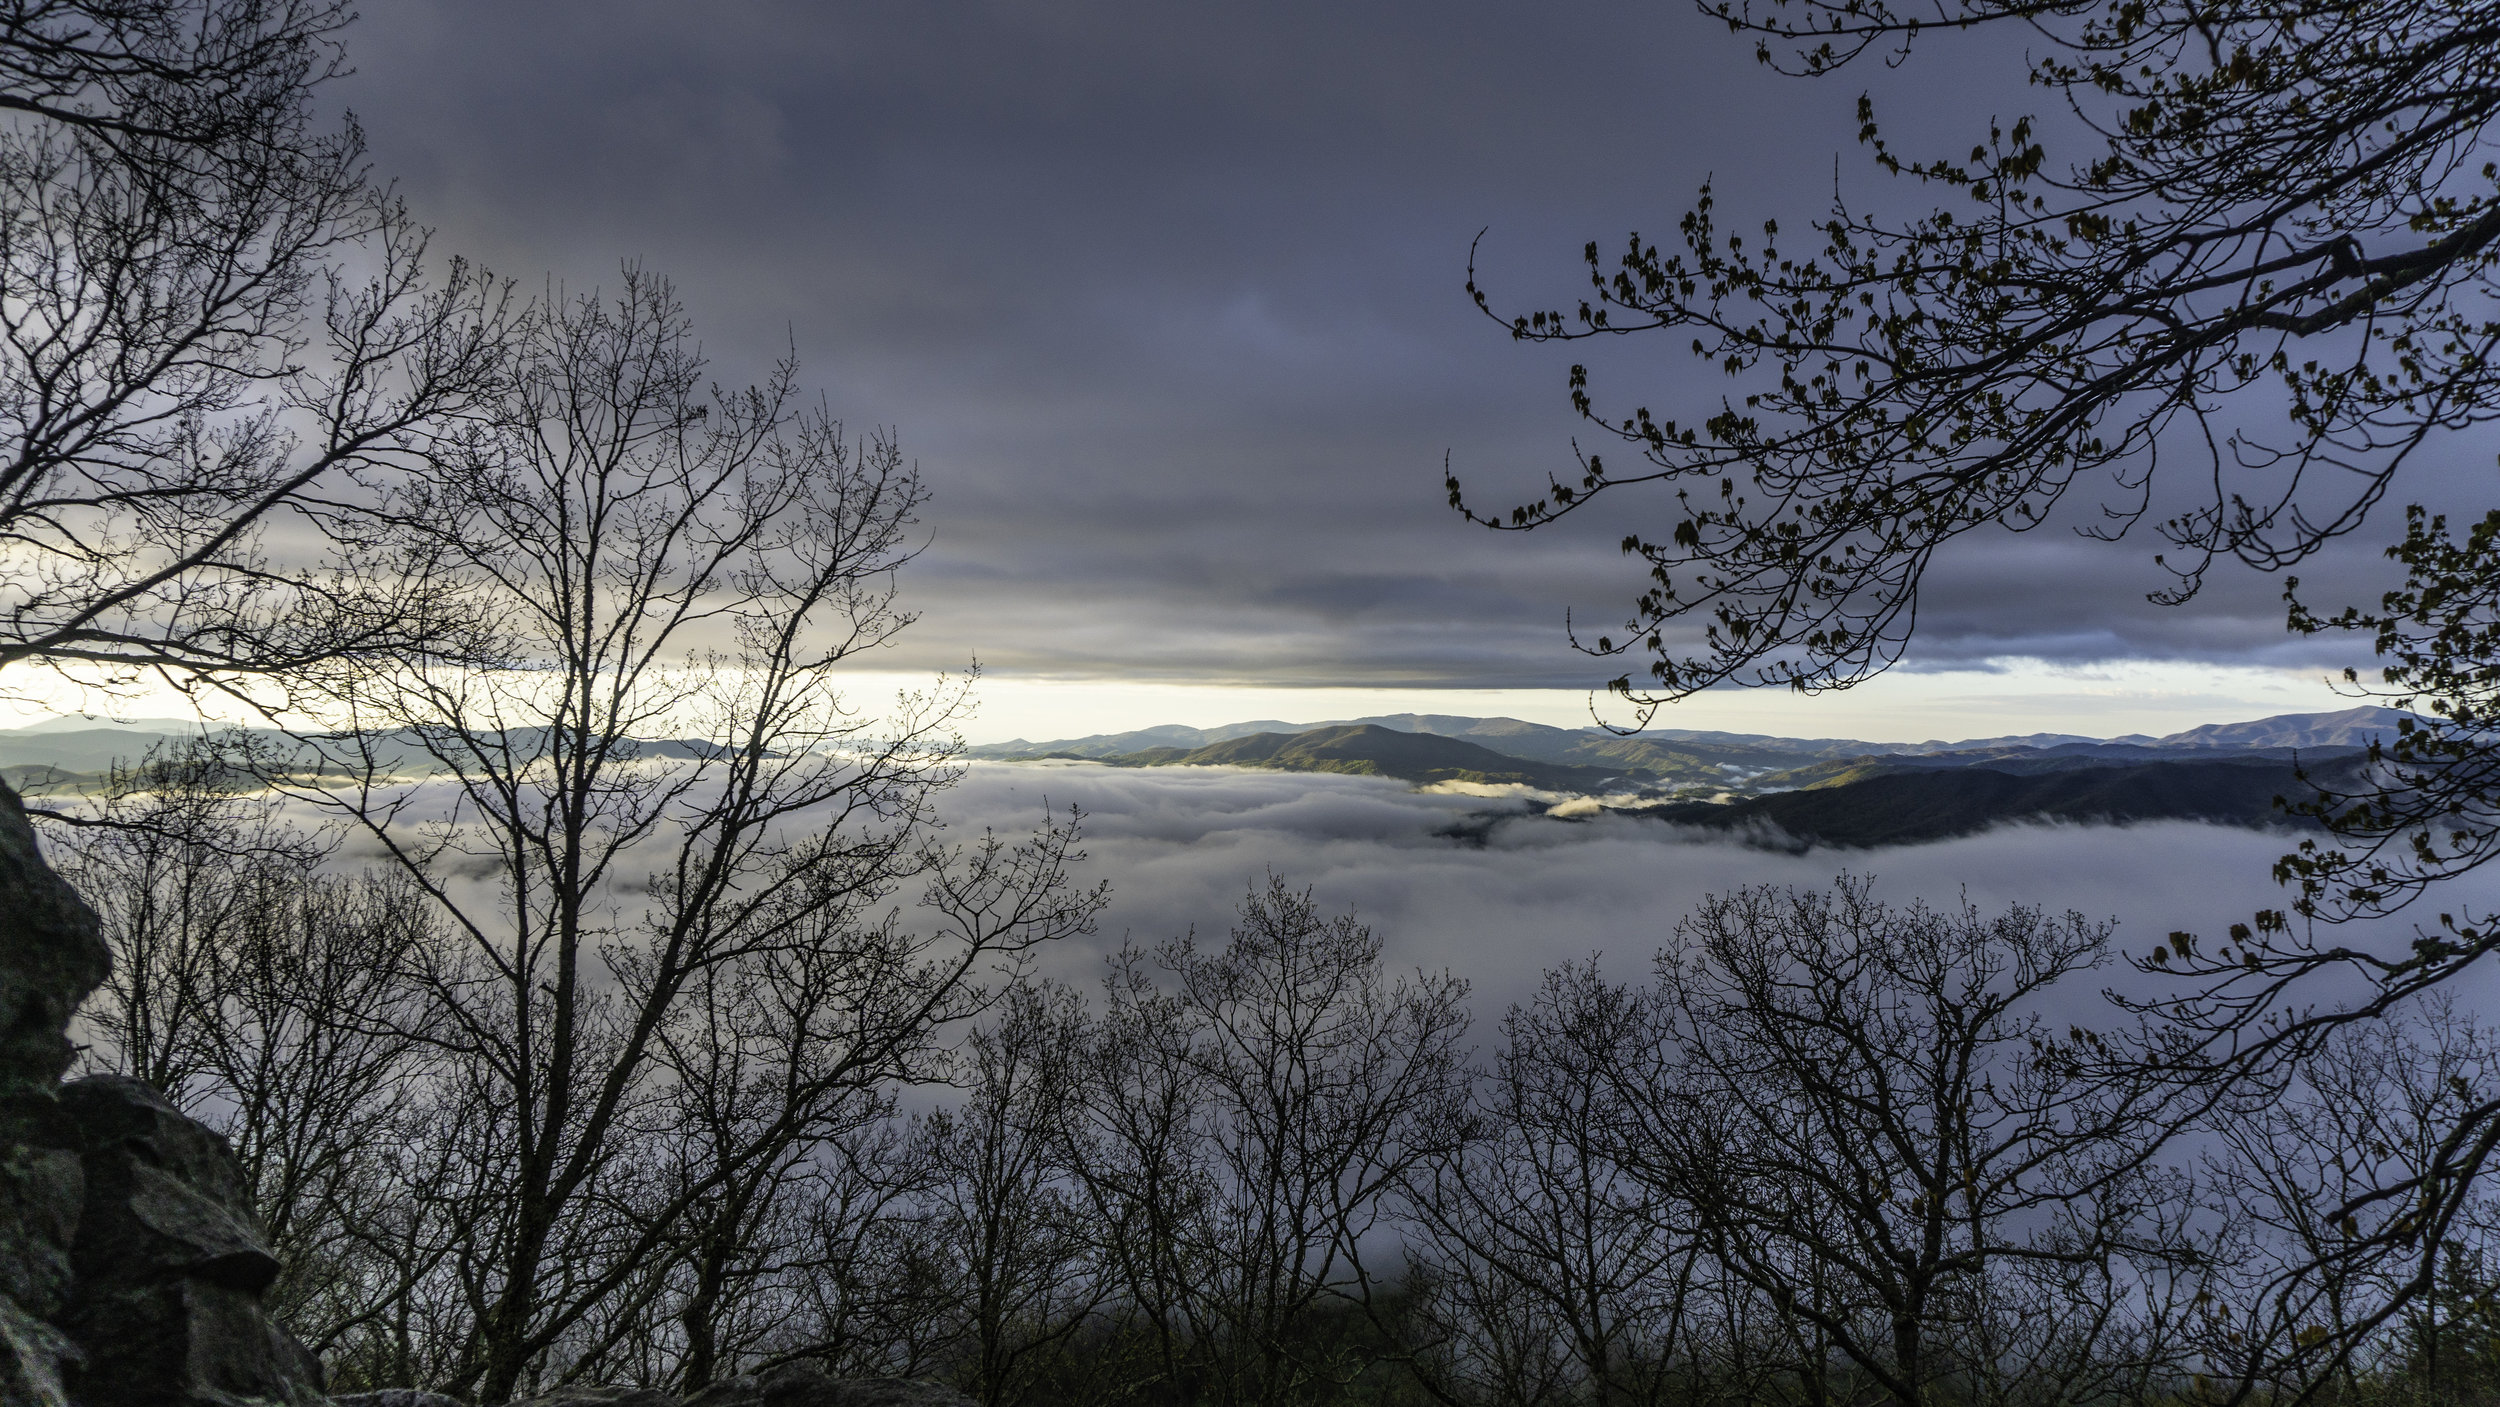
<point x="1794" y="791"/>
<point x="1789" y="791"/>
<point x="1367" y="749"/>
<point x="1909" y="806"/>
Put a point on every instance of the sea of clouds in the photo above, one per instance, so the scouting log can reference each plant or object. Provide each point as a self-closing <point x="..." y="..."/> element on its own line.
<point x="1485" y="889"/>
<point x="1478" y="883"/>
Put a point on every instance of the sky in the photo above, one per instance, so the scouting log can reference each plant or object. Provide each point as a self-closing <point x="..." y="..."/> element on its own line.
<point x="1166" y="301"/>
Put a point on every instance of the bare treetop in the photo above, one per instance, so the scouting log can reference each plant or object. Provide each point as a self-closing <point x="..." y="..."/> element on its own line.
<point x="184" y="355"/>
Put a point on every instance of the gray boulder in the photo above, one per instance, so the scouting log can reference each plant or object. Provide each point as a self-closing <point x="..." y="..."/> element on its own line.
<point x="51" y="958"/>
<point x="52" y="954"/>
<point x="34" y="1357"/>
<point x="169" y="1264"/>
<point x="131" y="1268"/>
<point x="43" y="1184"/>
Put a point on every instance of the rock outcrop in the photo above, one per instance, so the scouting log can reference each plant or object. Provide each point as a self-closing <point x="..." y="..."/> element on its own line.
<point x="131" y="1267"/>
<point x="51" y="955"/>
<point x="131" y="1264"/>
<point x="168" y="1266"/>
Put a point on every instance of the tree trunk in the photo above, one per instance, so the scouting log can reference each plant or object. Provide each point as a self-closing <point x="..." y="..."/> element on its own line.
<point x="697" y="1317"/>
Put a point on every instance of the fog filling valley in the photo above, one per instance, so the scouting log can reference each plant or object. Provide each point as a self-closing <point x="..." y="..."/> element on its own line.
<point x="1478" y="882"/>
<point x="1500" y="904"/>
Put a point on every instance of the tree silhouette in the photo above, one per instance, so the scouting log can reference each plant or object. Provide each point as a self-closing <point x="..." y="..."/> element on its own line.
<point x="183" y="358"/>
<point x="2270" y="256"/>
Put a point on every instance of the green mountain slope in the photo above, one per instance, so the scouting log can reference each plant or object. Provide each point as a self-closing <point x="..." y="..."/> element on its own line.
<point x="1583" y="747"/>
<point x="1749" y="762"/>
<point x="1713" y="764"/>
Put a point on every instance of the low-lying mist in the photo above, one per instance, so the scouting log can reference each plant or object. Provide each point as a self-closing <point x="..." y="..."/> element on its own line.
<point x="1497" y="894"/>
<point x="1488" y="888"/>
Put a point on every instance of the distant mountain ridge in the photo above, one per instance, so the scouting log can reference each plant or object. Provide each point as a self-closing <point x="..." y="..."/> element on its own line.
<point x="1368" y="749"/>
<point x="2344" y="728"/>
<point x="73" y="753"/>
<point x="1800" y="790"/>
<point x="2353" y="727"/>
<point x="1832" y="791"/>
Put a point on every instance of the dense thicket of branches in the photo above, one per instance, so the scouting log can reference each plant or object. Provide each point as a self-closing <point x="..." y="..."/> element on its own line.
<point x="186" y="354"/>
<point x="1831" y="1153"/>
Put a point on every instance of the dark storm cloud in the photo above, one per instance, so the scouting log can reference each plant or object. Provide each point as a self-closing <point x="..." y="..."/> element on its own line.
<point x="1166" y="298"/>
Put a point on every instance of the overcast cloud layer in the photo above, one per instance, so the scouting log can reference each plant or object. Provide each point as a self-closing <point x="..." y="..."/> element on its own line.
<point x="1166" y="299"/>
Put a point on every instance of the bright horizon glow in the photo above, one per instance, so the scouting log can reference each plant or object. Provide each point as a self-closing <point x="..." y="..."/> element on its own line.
<point x="2012" y="698"/>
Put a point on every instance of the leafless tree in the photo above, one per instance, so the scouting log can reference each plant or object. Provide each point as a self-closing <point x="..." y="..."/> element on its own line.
<point x="186" y="357"/>
<point x="178" y="865"/>
<point x="2334" y="1168"/>
<point x="323" y="1048"/>
<point x="779" y="1053"/>
<point x="269" y="1000"/>
<point x="201" y="74"/>
<point x="867" y="1298"/>
<point x="218" y="340"/>
<point x="1878" y="1130"/>
<point x="745" y="1053"/>
<point x="1139" y="1150"/>
<point x="640" y="783"/>
<point x="1024" y="1270"/>
<point x="1548" y="1275"/>
<point x="1254" y="1110"/>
